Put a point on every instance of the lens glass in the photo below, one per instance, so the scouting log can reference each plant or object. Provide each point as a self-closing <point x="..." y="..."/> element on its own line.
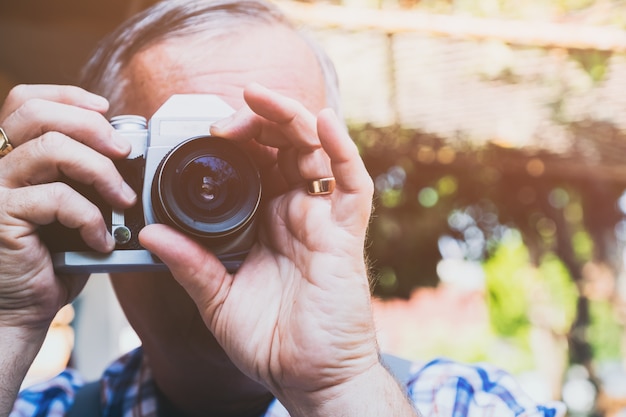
<point x="206" y="186"/>
<point x="210" y="187"/>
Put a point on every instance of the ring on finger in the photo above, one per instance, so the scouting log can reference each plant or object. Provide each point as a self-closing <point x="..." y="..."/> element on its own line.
<point x="5" y="144"/>
<point x="321" y="186"/>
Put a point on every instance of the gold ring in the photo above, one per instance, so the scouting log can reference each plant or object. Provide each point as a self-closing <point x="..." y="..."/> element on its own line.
<point x="322" y="186"/>
<point x="5" y="144"/>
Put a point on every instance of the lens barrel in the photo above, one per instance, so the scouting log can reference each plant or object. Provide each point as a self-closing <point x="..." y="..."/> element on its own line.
<point x="207" y="187"/>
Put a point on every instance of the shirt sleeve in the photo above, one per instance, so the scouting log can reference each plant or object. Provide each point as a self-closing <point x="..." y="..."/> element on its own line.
<point x="444" y="388"/>
<point x="52" y="398"/>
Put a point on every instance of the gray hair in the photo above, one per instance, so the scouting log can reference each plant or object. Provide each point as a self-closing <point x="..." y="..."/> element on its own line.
<point x="168" y="19"/>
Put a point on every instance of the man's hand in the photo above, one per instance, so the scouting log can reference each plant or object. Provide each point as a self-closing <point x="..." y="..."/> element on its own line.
<point x="296" y="316"/>
<point x="56" y="131"/>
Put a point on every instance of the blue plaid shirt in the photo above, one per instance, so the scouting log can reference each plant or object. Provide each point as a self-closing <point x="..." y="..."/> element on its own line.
<point x="439" y="388"/>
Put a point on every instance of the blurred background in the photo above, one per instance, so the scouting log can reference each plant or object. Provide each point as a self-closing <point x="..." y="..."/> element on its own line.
<point x="494" y="131"/>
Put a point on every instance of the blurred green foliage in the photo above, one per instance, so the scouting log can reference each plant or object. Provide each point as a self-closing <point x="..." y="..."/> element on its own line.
<point x="604" y="332"/>
<point x="533" y="219"/>
<point x="521" y="296"/>
<point x="506" y="274"/>
<point x="532" y="233"/>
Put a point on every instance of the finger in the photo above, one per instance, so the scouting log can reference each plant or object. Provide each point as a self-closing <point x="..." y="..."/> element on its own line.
<point x="278" y="121"/>
<point x="287" y="161"/>
<point x="53" y="155"/>
<point x="36" y="116"/>
<point x="271" y="119"/>
<point x="200" y="272"/>
<point x="66" y="94"/>
<point x="44" y="204"/>
<point x="297" y="167"/>
<point x="348" y="168"/>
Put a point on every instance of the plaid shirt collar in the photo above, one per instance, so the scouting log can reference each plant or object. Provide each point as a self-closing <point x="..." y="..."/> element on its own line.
<point x="129" y="390"/>
<point x="440" y="388"/>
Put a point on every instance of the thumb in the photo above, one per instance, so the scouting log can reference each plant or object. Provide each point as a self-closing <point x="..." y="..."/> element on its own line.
<point x="196" y="269"/>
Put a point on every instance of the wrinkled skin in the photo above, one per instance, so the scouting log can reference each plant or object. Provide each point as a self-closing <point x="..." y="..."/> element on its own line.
<point x="294" y="321"/>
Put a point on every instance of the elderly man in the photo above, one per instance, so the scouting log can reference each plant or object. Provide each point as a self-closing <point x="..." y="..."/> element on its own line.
<point x="287" y="332"/>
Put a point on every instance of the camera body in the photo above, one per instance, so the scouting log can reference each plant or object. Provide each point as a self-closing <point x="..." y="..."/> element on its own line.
<point x="204" y="186"/>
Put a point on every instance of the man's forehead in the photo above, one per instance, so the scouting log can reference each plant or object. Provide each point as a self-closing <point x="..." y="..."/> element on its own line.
<point x="272" y="56"/>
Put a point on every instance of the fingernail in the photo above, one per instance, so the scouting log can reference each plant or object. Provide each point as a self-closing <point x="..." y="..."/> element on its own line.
<point x="128" y="192"/>
<point x="120" y="142"/>
<point x="98" y="102"/>
<point x="109" y="241"/>
<point x="257" y="85"/>
<point x="223" y="124"/>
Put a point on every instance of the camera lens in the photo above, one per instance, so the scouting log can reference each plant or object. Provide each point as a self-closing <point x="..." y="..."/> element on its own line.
<point x="209" y="187"/>
<point x="206" y="186"/>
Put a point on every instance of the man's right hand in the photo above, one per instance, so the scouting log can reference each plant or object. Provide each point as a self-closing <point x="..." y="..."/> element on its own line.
<point x="56" y="131"/>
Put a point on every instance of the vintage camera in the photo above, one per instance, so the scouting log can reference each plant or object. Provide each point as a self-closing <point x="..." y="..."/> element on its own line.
<point x="204" y="186"/>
